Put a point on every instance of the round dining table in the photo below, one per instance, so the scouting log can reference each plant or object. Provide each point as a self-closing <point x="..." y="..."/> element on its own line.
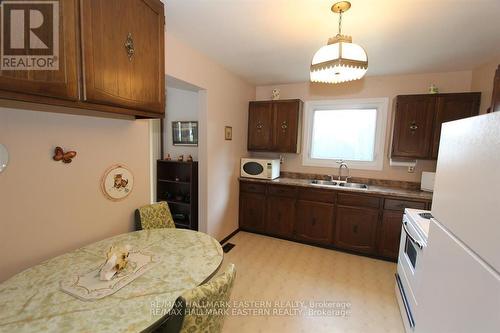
<point x="32" y="301"/>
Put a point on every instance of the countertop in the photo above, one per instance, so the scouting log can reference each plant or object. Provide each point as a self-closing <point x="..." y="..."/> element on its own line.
<point x="372" y="189"/>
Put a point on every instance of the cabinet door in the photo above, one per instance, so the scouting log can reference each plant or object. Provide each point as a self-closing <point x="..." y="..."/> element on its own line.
<point x="280" y="216"/>
<point x="453" y="107"/>
<point x="356" y="229"/>
<point x="286" y="125"/>
<point x="413" y="126"/>
<point x="495" y="98"/>
<point x="123" y="60"/>
<point x="260" y="118"/>
<point x="314" y="221"/>
<point x="61" y="83"/>
<point x="390" y="233"/>
<point x="252" y="211"/>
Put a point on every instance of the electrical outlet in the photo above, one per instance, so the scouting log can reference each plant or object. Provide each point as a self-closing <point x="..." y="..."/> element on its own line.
<point x="411" y="169"/>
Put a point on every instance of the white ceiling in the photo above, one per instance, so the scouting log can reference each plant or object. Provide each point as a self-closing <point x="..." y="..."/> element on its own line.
<point x="273" y="41"/>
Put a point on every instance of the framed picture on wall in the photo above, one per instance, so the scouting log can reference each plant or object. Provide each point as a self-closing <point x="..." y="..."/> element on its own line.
<point x="185" y="133"/>
<point x="228" y="133"/>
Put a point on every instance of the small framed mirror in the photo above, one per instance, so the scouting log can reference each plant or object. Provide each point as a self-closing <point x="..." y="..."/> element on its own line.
<point x="4" y="157"/>
<point x="185" y="133"/>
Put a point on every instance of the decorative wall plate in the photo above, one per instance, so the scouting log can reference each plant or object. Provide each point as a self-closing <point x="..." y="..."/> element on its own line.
<point x="117" y="182"/>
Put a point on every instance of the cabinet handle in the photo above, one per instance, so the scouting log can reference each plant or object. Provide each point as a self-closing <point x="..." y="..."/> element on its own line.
<point x="413" y="127"/>
<point x="355" y="229"/>
<point x="284" y="126"/>
<point x="259" y="126"/>
<point x="129" y="46"/>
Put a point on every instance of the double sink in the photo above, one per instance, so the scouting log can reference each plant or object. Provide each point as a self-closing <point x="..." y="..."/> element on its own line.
<point x="338" y="184"/>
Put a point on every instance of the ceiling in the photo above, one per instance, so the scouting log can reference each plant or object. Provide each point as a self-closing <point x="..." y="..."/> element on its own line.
<point x="273" y="41"/>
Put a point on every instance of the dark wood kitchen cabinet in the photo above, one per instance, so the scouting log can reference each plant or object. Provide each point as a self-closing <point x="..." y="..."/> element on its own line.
<point x="390" y="233"/>
<point x="253" y="211"/>
<point x="356" y="229"/>
<point x="30" y="85"/>
<point x="418" y="120"/>
<point x="123" y="63"/>
<point x="260" y="122"/>
<point x="280" y="216"/>
<point x="363" y="223"/>
<point x="450" y="107"/>
<point x="104" y="65"/>
<point x="314" y="221"/>
<point x="413" y="126"/>
<point x="495" y="97"/>
<point x="274" y="126"/>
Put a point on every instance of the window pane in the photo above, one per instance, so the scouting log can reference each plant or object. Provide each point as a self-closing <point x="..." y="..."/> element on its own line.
<point x="344" y="134"/>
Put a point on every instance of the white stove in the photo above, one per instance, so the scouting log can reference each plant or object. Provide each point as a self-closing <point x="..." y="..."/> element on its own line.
<point x="421" y="220"/>
<point x="414" y="235"/>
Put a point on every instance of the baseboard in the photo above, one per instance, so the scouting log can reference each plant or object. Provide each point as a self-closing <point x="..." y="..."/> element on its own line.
<point x="229" y="237"/>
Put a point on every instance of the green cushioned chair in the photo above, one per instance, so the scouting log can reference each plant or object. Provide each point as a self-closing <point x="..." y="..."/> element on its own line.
<point x="154" y="216"/>
<point x="202" y="308"/>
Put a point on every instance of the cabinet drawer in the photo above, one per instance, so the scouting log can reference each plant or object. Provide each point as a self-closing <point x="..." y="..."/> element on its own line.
<point x="282" y="191"/>
<point x="252" y="187"/>
<point x="400" y="205"/>
<point x="358" y="200"/>
<point x="316" y="195"/>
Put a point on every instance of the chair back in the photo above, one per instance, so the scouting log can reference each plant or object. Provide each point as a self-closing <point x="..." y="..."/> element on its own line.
<point x="204" y="307"/>
<point x="154" y="216"/>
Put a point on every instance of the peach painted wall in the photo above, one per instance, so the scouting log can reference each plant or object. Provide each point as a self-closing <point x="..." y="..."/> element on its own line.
<point x="482" y="80"/>
<point x="226" y="97"/>
<point x="370" y="87"/>
<point x="47" y="207"/>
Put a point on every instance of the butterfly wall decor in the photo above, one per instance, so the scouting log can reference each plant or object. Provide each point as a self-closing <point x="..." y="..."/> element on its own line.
<point x="66" y="157"/>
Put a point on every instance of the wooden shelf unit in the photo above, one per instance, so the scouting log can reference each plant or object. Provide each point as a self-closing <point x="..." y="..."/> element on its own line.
<point x="177" y="184"/>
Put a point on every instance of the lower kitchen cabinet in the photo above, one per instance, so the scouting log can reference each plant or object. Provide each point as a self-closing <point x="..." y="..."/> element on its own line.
<point x="314" y="221"/>
<point x="363" y="223"/>
<point x="390" y="232"/>
<point x="280" y="216"/>
<point x="253" y="211"/>
<point x="356" y="229"/>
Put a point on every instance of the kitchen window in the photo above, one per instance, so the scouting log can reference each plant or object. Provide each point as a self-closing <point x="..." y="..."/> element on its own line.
<point x="349" y="130"/>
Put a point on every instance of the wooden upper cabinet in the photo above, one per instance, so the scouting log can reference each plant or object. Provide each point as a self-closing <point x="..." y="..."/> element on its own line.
<point x="286" y="126"/>
<point x="260" y="120"/>
<point x="495" y="98"/>
<point x="31" y="85"/>
<point x="418" y="120"/>
<point x="413" y="126"/>
<point x="123" y="60"/>
<point x="451" y="107"/>
<point x="274" y="126"/>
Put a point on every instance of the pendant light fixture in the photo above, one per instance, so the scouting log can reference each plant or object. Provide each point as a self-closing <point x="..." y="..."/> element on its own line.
<point x="341" y="60"/>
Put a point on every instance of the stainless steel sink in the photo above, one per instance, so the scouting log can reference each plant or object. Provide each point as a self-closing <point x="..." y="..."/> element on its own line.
<point x="354" y="185"/>
<point x="324" y="182"/>
<point x="338" y="183"/>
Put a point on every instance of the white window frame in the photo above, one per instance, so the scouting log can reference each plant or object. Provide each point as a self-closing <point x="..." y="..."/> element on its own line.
<point x="380" y="104"/>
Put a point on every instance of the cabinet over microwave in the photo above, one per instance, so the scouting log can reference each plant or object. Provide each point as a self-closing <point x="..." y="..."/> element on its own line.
<point x="260" y="168"/>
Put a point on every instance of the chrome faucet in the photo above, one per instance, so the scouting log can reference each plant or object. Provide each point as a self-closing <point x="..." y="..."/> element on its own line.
<point x="343" y="164"/>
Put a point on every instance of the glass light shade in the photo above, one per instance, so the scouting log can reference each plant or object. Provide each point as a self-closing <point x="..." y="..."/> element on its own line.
<point x="339" y="61"/>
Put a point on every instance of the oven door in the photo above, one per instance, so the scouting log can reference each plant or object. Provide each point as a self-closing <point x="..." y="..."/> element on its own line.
<point x="410" y="254"/>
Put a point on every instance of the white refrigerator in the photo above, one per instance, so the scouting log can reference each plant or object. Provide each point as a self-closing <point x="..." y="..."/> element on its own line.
<point x="460" y="267"/>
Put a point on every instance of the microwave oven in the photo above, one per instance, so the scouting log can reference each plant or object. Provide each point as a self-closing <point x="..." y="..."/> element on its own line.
<point x="260" y="168"/>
